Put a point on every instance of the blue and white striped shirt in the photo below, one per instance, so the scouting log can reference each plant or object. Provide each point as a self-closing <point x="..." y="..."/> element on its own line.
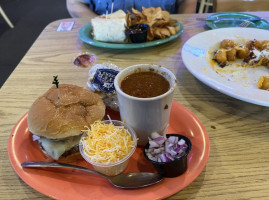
<point x="99" y="6"/>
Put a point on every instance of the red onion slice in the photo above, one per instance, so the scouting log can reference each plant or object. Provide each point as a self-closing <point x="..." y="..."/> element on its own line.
<point x="35" y="137"/>
<point x="153" y="144"/>
<point x="169" y="156"/>
<point x="160" y="140"/>
<point x="173" y="139"/>
<point x="155" y="135"/>
<point x="181" y="142"/>
<point x="162" y="149"/>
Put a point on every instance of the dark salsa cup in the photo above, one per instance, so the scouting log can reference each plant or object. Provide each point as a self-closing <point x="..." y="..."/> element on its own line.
<point x="176" y="167"/>
<point x="137" y="33"/>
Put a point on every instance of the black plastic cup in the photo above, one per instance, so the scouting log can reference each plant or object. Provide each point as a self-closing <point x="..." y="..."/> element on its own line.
<point x="173" y="168"/>
<point x="138" y="33"/>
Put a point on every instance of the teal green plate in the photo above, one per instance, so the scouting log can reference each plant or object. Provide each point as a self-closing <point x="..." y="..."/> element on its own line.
<point x="85" y="35"/>
<point x="261" y="24"/>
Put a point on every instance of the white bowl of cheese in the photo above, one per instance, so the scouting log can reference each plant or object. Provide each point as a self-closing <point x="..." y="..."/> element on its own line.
<point x="108" y="145"/>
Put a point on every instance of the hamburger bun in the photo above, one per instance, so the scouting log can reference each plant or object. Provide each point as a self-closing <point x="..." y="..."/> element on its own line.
<point x="55" y="118"/>
<point x="59" y="121"/>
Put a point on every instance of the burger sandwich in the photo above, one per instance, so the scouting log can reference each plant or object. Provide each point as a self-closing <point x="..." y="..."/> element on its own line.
<point x="57" y="118"/>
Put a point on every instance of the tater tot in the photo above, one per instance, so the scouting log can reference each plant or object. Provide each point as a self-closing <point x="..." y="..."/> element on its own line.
<point x="242" y="53"/>
<point x="231" y="55"/>
<point x="226" y="44"/>
<point x="257" y="44"/>
<point x="263" y="83"/>
<point x="252" y="52"/>
<point x="265" y="62"/>
<point x="265" y="44"/>
<point x="250" y="44"/>
<point x="221" y="57"/>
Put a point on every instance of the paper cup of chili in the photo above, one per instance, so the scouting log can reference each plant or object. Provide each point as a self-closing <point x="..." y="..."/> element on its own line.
<point x="145" y="94"/>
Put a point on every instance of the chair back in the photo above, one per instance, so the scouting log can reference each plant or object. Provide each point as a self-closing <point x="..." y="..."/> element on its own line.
<point x="240" y="5"/>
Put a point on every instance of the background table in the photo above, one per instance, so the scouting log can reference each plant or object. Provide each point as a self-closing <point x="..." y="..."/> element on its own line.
<point x="238" y="166"/>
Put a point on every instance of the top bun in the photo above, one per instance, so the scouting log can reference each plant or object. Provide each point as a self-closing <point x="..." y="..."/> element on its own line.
<point x="56" y="118"/>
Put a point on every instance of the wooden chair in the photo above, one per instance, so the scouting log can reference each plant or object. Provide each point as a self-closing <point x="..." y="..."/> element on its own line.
<point x="6" y="18"/>
<point x="240" y="5"/>
<point x="205" y="5"/>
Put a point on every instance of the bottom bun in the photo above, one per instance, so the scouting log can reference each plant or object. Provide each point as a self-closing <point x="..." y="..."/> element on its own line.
<point x="70" y="158"/>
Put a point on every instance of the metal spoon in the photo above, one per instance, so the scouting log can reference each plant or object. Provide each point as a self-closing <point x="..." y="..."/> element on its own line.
<point x="127" y="180"/>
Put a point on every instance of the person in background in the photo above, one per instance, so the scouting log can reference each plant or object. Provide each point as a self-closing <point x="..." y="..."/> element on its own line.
<point x="92" y="8"/>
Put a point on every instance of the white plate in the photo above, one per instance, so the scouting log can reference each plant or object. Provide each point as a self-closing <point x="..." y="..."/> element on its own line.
<point x="240" y="84"/>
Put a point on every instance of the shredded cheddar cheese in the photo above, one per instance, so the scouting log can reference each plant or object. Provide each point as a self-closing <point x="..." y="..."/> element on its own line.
<point x="107" y="143"/>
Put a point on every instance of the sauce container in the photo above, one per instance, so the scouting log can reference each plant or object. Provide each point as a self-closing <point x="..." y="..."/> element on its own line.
<point x="176" y="167"/>
<point x="115" y="168"/>
<point x="138" y="33"/>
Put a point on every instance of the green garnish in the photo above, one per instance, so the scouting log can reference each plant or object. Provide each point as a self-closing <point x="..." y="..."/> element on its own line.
<point x="55" y="81"/>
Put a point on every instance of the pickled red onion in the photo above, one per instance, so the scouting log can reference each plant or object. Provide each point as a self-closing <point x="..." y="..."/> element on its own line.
<point x="162" y="149"/>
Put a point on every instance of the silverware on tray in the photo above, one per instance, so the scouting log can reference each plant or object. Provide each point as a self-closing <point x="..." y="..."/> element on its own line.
<point x="125" y="180"/>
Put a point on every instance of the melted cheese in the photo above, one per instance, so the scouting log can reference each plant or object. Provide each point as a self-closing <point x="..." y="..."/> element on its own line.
<point x="106" y="143"/>
<point x="56" y="148"/>
<point x="259" y="56"/>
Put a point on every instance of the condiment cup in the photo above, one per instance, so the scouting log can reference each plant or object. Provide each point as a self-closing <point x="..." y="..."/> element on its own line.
<point x="176" y="167"/>
<point x="138" y="33"/>
<point x="112" y="169"/>
<point x="145" y="115"/>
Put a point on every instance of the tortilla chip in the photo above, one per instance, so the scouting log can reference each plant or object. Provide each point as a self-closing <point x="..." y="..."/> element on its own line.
<point x="172" y="30"/>
<point x="159" y="21"/>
